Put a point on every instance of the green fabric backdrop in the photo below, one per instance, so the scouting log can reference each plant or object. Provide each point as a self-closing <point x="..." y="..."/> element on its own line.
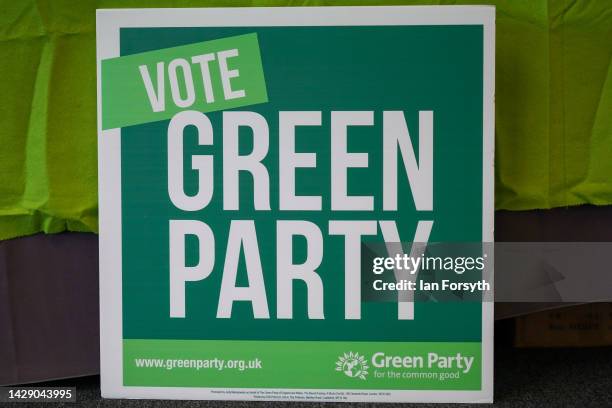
<point x="553" y="106"/>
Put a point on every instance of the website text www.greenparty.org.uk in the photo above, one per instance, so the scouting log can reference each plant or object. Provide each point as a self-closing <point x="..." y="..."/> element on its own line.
<point x="198" y="364"/>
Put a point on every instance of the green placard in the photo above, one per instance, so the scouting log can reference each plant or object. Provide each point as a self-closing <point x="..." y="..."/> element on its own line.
<point x="233" y="232"/>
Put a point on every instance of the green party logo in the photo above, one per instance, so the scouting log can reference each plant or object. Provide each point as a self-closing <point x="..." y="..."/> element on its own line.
<point x="353" y="365"/>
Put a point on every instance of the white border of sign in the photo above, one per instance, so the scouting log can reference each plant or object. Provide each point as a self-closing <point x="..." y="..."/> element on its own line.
<point x="108" y="23"/>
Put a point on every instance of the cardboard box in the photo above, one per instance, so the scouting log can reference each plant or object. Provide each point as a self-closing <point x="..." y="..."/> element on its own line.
<point x="586" y="325"/>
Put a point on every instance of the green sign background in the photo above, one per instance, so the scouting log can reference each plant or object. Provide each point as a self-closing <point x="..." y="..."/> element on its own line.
<point x="411" y="68"/>
<point x="292" y="364"/>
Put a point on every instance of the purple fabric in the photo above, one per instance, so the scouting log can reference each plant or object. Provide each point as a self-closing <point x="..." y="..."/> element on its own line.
<point x="48" y="307"/>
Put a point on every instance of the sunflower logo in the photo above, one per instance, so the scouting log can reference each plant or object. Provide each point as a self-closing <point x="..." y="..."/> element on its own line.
<point x="352" y="365"/>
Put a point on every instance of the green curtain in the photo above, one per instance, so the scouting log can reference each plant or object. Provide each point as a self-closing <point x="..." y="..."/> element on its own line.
<point x="553" y="106"/>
